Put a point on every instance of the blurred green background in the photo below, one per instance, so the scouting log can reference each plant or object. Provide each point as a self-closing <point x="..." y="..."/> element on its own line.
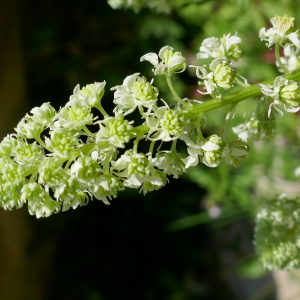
<point x="168" y="244"/>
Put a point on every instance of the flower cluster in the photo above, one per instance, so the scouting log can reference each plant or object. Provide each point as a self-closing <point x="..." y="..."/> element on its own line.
<point x="54" y="161"/>
<point x="277" y="233"/>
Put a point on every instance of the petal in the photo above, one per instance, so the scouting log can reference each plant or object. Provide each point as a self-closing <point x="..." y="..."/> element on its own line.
<point x="163" y="50"/>
<point x="291" y="109"/>
<point x="151" y="57"/>
<point x="161" y="69"/>
<point x="130" y="80"/>
<point x="209" y="146"/>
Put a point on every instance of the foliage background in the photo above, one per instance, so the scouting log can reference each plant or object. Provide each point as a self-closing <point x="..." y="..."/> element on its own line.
<point x="164" y="245"/>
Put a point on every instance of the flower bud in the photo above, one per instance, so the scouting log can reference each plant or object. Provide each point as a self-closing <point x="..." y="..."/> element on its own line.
<point x="224" y="76"/>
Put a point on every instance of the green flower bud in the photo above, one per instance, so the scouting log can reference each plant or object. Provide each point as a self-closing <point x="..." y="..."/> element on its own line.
<point x="12" y="172"/>
<point x="86" y="170"/>
<point x="139" y="165"/>
<point x="224" y="76"/>
<point x="172" y="123"/>
<point x="29" y="128"/>
<point x="290" y="93"/>
<point x="212" y="151"/>
<point x="233" y="49"/>
<point x="51" y="173"/>
<point x="43" y="114"/>
<point x="28" y="154"/>
<point x="120" y="129"/>
<point x="8" y="197"/>
<point x="63" y="141"/>
<point x="143" y="90"/>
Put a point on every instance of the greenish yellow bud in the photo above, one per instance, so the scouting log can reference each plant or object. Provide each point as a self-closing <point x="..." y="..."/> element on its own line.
<point x="139" y="165"/>
<point x="143" y="90"/>
<point x="290" y="93"/>
<point x="120" y="129"/>
<point x="78" y="114"/>
<point x="212" y="151"/>
<point x="224" y="76"/>
<point x="172" y="123"/>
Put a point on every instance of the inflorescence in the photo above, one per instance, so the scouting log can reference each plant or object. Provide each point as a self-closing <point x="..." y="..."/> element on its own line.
<point x="54" y="162"/>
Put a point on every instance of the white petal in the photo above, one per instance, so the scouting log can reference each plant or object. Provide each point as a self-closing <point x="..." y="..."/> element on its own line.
<point x="209" y="146"/>
<point x="163" y="50"/>
<point x="151" y="57"/>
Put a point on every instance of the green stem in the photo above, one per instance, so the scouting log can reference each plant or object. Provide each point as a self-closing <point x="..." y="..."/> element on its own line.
<point x="38" y="138"/>
<point x="101" y="109"/>
<point x="68" y="163"/>
<point x="200" y="135"/>
<point x="251" y="91"/>
<point x="151" y="148"/>
<point x="278" y="59"/>
<point x="87" y="131"/>
<point x="173" y="90"/>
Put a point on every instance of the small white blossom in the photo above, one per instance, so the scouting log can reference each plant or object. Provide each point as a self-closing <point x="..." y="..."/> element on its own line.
<point x="221" y="75"/>
<point x="171" y="62"/>
<point x="74" y="117"/>
<point x="212" y="151"/>
<point x="135" y="92"/>
<point x="136" y="169"/>
<point x="258" y="127"/>
<point x="116" y="131"/>
<point x="228" y="47"/>
<point x="90" y="95"/>
<point x="171" y="162"/>
<point x="283" y="91"/>
<point x="291" y="59"/>
<point x="165" y="124"/>
<point x="278" y="33"/>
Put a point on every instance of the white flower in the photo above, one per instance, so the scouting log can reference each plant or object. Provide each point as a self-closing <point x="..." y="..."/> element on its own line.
<point x="107" y="187"/>
<point x="116" y="131"/>
<point x="165" y="124"/>
<point x="171" y="162"/>
<point x="221" y="75"/>
<point x="195" y="151"/>
<point x="283" y="91"/>
<point x="74" y="117"/>
<point x="29" y="128"/>
<point x="135" y="92"/>
<point x="258" y="127"/>
<point x="226" y="47"/>
<point x="277" y="34"/>
<point x="44" y="114"/>
<point x="172" y="62"/>
<point x="137" y="169"/>
<point x="212" y="151"/>
<point x="90" y="95"/>
<point x="291" y="59"/>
